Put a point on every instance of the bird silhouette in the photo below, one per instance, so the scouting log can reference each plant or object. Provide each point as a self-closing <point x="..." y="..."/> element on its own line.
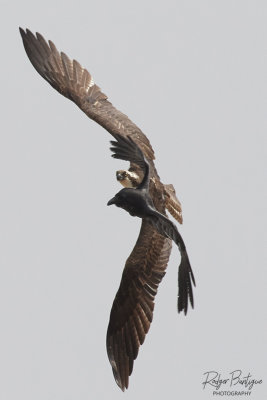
<point x="132" y="309"/>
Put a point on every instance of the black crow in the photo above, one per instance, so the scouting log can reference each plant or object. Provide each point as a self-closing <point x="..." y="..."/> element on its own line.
<point x="138" y="203"/>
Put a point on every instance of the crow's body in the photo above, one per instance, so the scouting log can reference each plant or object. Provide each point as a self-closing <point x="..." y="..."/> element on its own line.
<point x="132" y="309"/>
<point x="135" y="201"/>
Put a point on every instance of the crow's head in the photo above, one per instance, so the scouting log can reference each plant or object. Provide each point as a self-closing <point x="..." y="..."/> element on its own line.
<point x="124" y="199"/>
<point x="120" y="199"/>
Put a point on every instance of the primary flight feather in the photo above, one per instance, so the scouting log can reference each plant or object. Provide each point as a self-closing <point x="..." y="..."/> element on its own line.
<point x="132" y="309"/>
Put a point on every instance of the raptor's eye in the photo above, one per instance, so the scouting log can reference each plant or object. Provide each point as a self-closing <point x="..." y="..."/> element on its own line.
<point x="120" y="175"/>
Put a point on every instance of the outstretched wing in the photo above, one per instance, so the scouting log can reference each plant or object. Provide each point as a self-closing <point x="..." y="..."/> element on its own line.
<point x="185" y="274"/>
<point x="132" y="309"/>
<point x="73" y="81"/>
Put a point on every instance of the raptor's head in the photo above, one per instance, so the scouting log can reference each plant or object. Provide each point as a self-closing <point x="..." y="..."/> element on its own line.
<point x="127" y="178"/>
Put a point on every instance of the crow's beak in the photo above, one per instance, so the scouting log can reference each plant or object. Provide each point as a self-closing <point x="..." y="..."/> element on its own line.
<point x="112" y="201"/>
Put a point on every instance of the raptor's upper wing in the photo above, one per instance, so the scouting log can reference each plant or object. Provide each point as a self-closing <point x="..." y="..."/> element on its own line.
<point x="132" y="309"/>
<point x="73" y="81"/>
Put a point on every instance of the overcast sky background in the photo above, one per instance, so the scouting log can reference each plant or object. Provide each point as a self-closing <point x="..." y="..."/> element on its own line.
<point x="192" y="76"/>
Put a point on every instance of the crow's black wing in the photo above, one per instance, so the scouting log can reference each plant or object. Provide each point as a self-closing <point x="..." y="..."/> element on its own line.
<point x="185" y="274"/>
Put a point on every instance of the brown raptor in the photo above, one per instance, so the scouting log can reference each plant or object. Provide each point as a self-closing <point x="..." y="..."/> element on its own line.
<point x="132" y="309"/>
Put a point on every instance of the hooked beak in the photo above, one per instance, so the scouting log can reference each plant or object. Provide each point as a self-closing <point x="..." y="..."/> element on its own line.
<point x="111" y="201"/>
<point x="119" y="176"/>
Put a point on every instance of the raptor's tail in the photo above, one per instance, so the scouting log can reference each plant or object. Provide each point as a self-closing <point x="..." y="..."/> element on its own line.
<point x="173" y="205"/>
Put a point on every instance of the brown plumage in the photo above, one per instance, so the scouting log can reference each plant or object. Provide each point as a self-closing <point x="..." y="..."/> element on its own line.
<point x="132" y="309"/>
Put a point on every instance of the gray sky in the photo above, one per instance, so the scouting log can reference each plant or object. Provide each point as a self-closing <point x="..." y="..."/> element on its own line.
<point x="192" y="76"/>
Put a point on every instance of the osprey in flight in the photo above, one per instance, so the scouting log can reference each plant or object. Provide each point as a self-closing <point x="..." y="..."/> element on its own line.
<point x="144" y="196"/>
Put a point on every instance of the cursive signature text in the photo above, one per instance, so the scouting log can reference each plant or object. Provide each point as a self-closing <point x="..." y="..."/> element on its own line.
<point x="216" y="380"/>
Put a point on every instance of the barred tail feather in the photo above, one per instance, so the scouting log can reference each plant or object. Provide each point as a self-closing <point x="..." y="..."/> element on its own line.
<point x="173" y="205"/>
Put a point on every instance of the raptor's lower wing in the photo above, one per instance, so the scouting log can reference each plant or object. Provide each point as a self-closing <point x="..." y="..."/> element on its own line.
<point x="132" y="309"/>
